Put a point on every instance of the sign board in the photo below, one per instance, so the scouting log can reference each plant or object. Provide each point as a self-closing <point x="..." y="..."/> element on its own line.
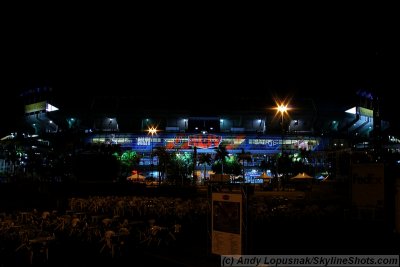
<point x="227" y="213"/>
<point x="207" y="142"/>
<point x="39" y="106"/>
<point x="397" y="206"/>
<point x="366" y="112"/>
<point x="367" y="185"/>
<point x="204" y="140"/>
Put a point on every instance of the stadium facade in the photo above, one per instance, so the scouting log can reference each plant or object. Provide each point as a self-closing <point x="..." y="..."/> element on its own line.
<point x="320" y="128"/>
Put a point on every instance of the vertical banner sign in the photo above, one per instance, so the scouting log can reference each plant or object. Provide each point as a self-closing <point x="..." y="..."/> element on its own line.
<point x="397" y="206"/>
<point x="227" y="210"/>
<point x="368" y="185"/>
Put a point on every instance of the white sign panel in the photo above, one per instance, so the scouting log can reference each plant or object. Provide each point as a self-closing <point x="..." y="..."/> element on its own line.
<point x="226" y="224"/>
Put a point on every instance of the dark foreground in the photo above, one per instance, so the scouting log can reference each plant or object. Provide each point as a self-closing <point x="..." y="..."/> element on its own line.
<point x="274" y="227"/>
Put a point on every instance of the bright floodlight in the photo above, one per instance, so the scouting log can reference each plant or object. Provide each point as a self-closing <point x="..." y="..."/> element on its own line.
<point x="50" y="108"/>
<point x="152" y="130"/>
<point x="282" y="108"/>
<point x="353" y="110"/>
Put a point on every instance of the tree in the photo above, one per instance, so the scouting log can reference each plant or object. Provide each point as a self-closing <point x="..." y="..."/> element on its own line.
<point x="244" y="156"/>
<point x="128" y="159"/>
<point x="194" y="165"/>
<point x="164" y="159"/>
<point x="182" y="165"/>
<point x="220" y="156"/>
<point x="205" y="159"/>
<point x="284" y="167"/>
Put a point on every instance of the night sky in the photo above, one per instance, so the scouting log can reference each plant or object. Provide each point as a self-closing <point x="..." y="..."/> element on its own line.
<point x="200" y="66"/>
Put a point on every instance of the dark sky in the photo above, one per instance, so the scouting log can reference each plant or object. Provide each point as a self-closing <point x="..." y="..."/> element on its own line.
<point x="193" y="63"/>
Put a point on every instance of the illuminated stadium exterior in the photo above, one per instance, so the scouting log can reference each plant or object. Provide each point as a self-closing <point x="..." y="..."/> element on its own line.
<point x="259" y="133"/>
<point x="318" y="128"/>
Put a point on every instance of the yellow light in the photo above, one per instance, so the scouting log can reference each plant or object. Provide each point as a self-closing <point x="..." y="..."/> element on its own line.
<point x="152" y="130"/>
<point x="282" y="108"/>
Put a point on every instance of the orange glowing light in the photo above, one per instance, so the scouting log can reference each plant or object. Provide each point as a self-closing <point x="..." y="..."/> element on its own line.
<point x="152" y="130"/>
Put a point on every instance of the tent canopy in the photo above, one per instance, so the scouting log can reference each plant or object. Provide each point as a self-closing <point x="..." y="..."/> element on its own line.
<point x="136" y="177"/>
<point x="302" y="176"/>
<point x="265" y="176"/>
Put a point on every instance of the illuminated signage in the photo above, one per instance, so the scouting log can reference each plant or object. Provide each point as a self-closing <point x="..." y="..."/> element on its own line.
<point x="366" y="112"/>
<point x="98" y="140"/>
<point x="146" y="141"/>
<point x="143" y="141"/>
<point x="180" y="139"/>
<point x="118" y="140"/>
<point x="267" y="142"/>
<point x="186" y="142"/>
<point x="39" y="106"/>
<point x="234" y="143"/>
<point x="204" y="140"/>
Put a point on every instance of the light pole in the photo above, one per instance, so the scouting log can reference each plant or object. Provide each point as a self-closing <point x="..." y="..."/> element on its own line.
<point x="282" y="109"/>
